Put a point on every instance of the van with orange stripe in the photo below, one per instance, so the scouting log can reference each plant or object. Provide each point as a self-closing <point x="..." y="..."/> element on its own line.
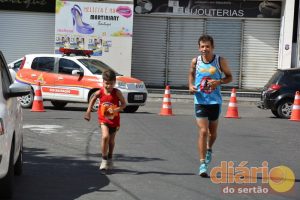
<point x="67" y="78"/>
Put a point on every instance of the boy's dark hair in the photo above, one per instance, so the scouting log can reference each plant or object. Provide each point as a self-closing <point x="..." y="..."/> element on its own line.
<point x="206" y="38"/>
<point x="109" y="75"/>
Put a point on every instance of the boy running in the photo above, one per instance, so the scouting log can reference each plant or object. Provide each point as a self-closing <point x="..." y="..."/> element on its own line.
<point x="111" y="103"/>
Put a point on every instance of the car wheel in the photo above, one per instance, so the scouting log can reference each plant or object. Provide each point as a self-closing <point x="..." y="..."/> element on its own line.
<point x="19" y="164"/>
<point x="131" y="109"/>
<point x="6" y="183"/>
<point x="59" y="104"/>
<point x="96" y="104"/>
<point x="284" y="108"/>
<point x="27" y="100"/>
<point x="275" y="113"/>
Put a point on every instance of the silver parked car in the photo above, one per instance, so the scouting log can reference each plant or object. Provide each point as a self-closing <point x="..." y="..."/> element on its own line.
<point x="11" y="138"/>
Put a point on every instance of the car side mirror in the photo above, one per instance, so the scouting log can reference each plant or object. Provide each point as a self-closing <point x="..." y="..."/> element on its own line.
<point x="77" y="72"/>
<point x="12" y="74"/>
<point x="18" y="89"/>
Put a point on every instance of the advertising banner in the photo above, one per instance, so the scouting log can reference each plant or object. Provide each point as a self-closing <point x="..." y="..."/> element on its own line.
<point x="105" y="28"/>
<point x="212" y="8"/>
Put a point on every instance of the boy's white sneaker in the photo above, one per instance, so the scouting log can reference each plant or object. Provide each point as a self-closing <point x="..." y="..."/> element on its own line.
<point x="103" y="165"/>
<point x="110" y="163"/>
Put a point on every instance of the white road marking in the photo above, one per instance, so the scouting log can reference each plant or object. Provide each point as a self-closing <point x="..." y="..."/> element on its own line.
<point x="44" y="129"/>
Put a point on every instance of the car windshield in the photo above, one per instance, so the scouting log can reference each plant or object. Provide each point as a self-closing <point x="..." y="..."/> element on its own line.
<point x="96" y="66"/>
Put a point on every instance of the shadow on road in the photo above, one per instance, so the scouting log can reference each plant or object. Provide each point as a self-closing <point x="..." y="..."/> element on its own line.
<point x="136" y="172"/>
<point x="124" y="158"/>
<point x="48" y="177"/>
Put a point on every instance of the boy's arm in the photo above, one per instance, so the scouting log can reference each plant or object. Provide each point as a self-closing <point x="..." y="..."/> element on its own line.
<point x="87" y="115"/>
<point x="122" y="101"/>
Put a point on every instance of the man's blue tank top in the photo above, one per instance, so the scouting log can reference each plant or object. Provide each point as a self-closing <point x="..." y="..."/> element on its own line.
<point x="205" y="71"/>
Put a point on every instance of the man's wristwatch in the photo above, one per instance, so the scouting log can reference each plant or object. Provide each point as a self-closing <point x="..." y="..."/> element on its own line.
<point x="221" y="81"/>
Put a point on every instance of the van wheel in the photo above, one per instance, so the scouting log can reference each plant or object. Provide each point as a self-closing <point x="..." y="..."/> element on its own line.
<point x="6" y="183"/>
<point x="131" y="109"/>
<point x="96" y="104"/>
<point x="19" y="164"/>
<point x="59" y="104"/>
<point x="27" y="100"/>
<point x="284" y="108"/>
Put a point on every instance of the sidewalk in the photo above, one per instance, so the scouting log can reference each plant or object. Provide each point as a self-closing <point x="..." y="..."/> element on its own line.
<point x="183" y="96"/>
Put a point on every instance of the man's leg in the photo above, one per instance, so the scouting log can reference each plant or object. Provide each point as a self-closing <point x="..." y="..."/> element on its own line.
<point x="212" y="136"/>
<point x="202" y="142"/>
<point x="202" y="124"/>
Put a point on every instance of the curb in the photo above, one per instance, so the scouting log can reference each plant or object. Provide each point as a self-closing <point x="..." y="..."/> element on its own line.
<point x="157" y="97"/>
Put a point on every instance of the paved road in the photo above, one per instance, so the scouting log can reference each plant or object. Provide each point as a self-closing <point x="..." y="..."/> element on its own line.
<point x="156" y="156"/>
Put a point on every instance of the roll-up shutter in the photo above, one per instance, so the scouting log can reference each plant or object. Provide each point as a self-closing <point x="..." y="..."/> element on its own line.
<point x="260" y="52"/>
<point x="26" y="32"/>
<point x="149" y="50"/>
<point x="227" y="38"/>
<point x="183" y="47"/>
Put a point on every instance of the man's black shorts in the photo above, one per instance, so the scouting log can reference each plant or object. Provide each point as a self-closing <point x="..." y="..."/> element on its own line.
<point x="211" y="112"/>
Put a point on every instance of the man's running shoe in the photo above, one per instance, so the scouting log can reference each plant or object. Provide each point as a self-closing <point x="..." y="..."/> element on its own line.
<point x="208" y="156"/>
<point x="203" y="170"/>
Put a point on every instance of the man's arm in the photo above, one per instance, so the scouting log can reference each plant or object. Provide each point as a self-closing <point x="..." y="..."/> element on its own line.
<point x="192" y="72"/>
<point x="226" y="70"/>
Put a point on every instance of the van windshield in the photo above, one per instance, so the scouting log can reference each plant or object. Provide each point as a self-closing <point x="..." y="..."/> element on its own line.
<point x="96" y="67"/>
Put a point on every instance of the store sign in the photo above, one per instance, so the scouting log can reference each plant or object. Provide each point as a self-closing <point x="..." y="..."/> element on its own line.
<point x="104" y="28"/>
<point x="28" y="5"/>
<point x="254" y="9"/>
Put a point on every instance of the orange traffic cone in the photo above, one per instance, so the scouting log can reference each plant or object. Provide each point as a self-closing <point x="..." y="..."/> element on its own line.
<point x="37" y="105"/>
<point x="166" y="109"/>
<point x="232" y="111"/>
<point x="295" y="116"/>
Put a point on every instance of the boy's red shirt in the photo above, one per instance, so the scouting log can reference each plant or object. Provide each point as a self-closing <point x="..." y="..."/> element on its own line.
<point x="108" y="101"/>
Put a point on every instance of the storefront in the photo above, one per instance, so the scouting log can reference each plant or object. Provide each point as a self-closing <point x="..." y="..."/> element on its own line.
<point x="249" y="34"/>
<point x="255" y="36"/>
<point x="26" y="27"/>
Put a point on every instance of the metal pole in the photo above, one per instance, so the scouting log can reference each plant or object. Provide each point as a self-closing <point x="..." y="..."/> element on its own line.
<point x="298" y="40"/>
<point x="167" y="53"/>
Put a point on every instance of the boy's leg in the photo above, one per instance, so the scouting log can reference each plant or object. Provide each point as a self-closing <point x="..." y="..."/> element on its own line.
<point x="111" y="144"/>
<point x="104" y="146"/>
<point x="111" y="148"/>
